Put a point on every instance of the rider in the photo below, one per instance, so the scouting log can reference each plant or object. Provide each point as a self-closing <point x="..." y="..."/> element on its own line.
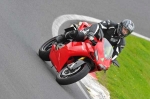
<point x="113" y="32"/>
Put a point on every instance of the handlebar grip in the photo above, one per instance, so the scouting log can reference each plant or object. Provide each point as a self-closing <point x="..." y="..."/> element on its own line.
<point x="93" y="42"/>
<point x="91" y="38"/>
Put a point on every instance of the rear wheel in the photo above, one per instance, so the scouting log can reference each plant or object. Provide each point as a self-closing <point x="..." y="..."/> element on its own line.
<point x="67" y="76"/>
<point x="45" y="49"/>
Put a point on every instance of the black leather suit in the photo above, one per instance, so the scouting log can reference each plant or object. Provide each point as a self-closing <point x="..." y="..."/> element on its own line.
<point x="110" y="32"/>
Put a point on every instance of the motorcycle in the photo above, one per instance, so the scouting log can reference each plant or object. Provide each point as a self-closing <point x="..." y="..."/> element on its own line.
<point x="74" y="60"/>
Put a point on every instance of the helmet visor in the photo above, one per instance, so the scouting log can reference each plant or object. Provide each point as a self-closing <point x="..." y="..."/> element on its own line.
<point x="125" y="31"/>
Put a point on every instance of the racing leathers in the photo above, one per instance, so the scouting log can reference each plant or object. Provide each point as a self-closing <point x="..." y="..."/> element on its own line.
<point x="110" y="32"/>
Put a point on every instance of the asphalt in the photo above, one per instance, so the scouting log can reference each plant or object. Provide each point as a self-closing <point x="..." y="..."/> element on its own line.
<point x="26" y="24"/>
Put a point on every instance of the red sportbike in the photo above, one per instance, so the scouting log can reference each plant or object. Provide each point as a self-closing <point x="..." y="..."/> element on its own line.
<point x="74" y="60"/>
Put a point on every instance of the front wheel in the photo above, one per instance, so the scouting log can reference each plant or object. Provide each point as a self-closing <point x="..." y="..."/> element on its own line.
<point x="45" y="49"/>
<point x="67" y="76"/>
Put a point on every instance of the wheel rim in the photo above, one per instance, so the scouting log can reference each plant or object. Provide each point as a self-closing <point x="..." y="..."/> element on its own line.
<point x="67" y="73"/>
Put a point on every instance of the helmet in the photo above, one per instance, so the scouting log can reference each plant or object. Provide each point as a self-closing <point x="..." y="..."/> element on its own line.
<point x="127" y="24"/>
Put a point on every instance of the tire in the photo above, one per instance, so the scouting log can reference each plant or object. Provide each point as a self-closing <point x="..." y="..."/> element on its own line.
<point x="45" y="49"/>
<point x="78" y="74"/>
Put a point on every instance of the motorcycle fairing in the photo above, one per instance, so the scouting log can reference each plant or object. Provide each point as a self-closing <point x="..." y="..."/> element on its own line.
<point x="60" y="57"/>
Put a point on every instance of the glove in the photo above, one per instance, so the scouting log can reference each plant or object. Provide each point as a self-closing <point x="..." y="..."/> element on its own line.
<point x="90" y="34"/>
<point x="115" y="62"/>
<point x="93" y="42"/>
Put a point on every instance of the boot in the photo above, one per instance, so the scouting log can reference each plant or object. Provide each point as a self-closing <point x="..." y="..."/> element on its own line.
<point x="65" y="36"/>
<point x="60" y="38"/>
<point x="71" y="34"/>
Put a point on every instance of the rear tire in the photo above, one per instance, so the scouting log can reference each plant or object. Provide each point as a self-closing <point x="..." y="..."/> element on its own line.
<point x="45" y="49"/>
<point x="63" y="78"/>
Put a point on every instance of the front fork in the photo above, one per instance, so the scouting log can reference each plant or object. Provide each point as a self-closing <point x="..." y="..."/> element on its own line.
<point x="77" y="64"/>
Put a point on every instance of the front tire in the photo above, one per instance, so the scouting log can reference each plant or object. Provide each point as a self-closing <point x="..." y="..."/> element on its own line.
<point x="66" y="76"/>
<point x="45" y="49"/>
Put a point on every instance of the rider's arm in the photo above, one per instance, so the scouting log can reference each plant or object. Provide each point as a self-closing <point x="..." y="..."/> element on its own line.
<point x="107" y="24"/>
<point x="118" y="48"/>
<point x="95" y="27"/>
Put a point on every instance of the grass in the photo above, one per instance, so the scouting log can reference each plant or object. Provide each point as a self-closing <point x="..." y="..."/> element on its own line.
<point x="132" y="79"/>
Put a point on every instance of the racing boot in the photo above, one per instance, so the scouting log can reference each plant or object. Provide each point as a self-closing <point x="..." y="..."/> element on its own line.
<point x="71" y="34"/>
<point x="60" y="38"/>
<point x="68" y="35"/>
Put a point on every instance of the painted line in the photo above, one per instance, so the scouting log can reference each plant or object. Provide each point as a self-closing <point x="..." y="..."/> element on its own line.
<point x="141" y="36"/>
<point x="87" y="97"/>
<point x="64" y="18"/>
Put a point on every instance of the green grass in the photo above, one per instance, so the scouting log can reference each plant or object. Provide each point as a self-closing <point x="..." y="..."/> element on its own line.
<point x="132" y="79"/>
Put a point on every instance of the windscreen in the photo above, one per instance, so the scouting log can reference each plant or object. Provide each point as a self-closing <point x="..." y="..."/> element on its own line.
<point x="108" y="49"/>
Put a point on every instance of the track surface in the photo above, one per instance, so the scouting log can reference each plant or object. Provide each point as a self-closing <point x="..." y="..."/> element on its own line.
<point x="26" y="24"/>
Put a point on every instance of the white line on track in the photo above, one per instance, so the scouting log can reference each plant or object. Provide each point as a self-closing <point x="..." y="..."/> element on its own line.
<point x="64" y="18"/>
<point x="87" y="97"/>
<point x="141" y="36"/>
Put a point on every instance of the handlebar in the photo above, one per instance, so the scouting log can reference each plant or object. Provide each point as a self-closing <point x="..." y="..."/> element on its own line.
<point x="91" y="38"/>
